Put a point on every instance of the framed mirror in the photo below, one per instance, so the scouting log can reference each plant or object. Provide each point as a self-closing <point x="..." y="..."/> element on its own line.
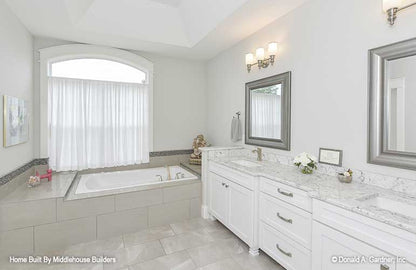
<point x="392" y="105"/>
<point x="268" y="112"/>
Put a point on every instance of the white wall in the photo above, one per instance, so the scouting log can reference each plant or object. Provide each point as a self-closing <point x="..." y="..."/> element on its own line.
<point x="15" y="80"/>
<point x="178" y="98"/>
<point x="325" y="44"/>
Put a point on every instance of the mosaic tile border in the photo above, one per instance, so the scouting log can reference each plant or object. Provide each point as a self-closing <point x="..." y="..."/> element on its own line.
<point x="170" y="153"/>
<point x="8" y="177"/>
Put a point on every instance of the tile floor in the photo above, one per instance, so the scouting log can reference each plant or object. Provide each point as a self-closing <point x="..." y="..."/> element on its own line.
<point x="195" y="244"/>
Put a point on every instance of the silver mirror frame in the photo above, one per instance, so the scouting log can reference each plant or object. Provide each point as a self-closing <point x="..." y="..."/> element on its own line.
<point x="378" y="152"/>
<point x="284" y="142"/>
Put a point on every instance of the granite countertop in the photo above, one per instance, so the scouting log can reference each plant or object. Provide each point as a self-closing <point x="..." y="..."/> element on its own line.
<point x="351" y="196"/>
<point x="56" y="188"/>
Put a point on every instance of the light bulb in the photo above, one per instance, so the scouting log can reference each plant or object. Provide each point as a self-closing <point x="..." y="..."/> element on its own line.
<point x="260" y="53"/>
<point x="249" y="59"/>
<point x="272" y="49"/>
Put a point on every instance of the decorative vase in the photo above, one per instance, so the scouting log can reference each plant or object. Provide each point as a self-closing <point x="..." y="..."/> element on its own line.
<point x="344" y="179"/>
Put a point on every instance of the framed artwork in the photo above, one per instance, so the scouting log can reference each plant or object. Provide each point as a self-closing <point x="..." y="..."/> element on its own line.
<point x="15" y="121"/>
<point x="330" y="156"/>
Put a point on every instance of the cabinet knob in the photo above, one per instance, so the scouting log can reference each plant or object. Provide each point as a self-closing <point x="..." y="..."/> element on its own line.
<point x="384" y="267"/>
<point x="223" y="184"/>
<point x="226" y="186"/>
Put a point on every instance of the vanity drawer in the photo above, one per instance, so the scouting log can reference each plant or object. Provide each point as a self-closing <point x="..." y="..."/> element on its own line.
<point x="294" y="196"/>
<point x="285" y="251"/>
<point x="292" y="221"/>
<point x="232" y="175"/>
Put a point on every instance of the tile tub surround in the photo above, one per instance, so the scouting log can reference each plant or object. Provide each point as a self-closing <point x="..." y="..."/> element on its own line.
<point x="327" y="188"/>
<point x="200" y="245"/>
<point x="52" y="221"/>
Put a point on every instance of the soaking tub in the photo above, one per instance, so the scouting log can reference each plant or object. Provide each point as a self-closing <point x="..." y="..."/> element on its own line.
<point x="120" y="180"/>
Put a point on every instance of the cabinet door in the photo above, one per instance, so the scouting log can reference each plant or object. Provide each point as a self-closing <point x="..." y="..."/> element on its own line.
<point x="218" y="197"/>
<point x="332" y="249"/>
<point x="241" y="214"/>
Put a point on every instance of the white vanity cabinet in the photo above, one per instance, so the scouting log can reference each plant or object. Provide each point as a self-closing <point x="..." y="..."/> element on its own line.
<point x="219" y="196"/>
<point x="232" y="202"/>
<point x="285" y="224"/>
<point x="299" y="231"/>
<point x="332" y="250"/>
<point x="339" y="232"/>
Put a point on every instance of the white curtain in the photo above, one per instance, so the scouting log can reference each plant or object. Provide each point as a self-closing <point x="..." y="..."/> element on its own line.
<point x="95" y="124"/>
<point x="265" y="113"/>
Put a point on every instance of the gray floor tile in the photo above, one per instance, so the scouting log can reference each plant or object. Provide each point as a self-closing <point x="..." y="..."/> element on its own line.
<point x="98" y="247"/>
<point x="175" y="261"/>
<point x="185" y="240"/>
<point x="147" y="235"/>
<point x="227" y="264"/>
<point x="216" y="251"/>
<point x="135" y="254"/>
<point x="198" y="243"/>
<point x="261" y="262"/>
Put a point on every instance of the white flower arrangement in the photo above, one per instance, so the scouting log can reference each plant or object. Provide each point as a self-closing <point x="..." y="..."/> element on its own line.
<point x="306" y="162"/>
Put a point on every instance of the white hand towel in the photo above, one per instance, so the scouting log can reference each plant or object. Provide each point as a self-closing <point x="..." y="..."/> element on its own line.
<point x="236" y="130"/>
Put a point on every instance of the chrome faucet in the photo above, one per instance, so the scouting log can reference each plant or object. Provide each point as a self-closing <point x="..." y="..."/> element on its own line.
<point x="259" y="152"/>
<point x="179" y="175"/>
<point x="160" y="177"/>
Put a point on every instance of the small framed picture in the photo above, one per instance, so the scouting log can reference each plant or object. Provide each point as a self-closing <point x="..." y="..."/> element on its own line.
<point x="330" y="156"/>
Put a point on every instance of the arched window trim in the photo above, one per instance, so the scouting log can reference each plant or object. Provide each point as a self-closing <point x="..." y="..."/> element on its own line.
<point x="51" y="55"/>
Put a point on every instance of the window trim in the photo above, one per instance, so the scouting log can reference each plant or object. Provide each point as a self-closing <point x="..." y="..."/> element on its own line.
<point x="51" y="55"/>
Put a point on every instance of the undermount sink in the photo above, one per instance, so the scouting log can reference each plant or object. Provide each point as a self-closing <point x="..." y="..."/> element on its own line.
<point x="246" y="163"/>
<point x="403" y="208"/>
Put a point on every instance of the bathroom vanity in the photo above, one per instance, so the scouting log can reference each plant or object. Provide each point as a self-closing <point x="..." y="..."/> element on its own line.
<point x="309" y="221"/>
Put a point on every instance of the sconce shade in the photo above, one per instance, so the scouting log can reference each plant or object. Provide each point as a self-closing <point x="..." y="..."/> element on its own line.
<point x="388" y="4"/>
<point x="272" y="49"/>
<point x="260" y="53"/>
<point x="249" y="59"/>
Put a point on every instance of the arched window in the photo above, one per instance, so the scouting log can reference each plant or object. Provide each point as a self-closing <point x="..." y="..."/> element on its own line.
<point x="98" y="111"/>
<point x="97" y="69"/>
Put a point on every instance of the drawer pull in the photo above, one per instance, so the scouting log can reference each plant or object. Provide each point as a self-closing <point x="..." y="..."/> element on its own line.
<point x="284" y="252"/>
<point x="285" y="193"/>
<point x="288" y="220"/>
<point x="384" y="267"/>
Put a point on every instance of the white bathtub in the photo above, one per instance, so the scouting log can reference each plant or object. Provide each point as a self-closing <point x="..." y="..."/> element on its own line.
<point x="97" y="182"/>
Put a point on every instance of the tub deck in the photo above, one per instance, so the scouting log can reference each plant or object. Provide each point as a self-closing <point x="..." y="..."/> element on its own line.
<point x="57" y="188"/>
<point x="47" y="217"/>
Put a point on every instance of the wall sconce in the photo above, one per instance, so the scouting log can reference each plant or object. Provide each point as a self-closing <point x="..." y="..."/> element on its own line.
<point x="391" y="7"/>
<point x="262" y="62"/>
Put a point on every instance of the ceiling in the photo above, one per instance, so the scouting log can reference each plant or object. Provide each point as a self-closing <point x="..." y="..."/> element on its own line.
<point x="197" y="29"/>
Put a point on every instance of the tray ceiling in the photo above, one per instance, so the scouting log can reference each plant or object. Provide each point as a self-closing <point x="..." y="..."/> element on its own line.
<point x="188" y="28"/>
